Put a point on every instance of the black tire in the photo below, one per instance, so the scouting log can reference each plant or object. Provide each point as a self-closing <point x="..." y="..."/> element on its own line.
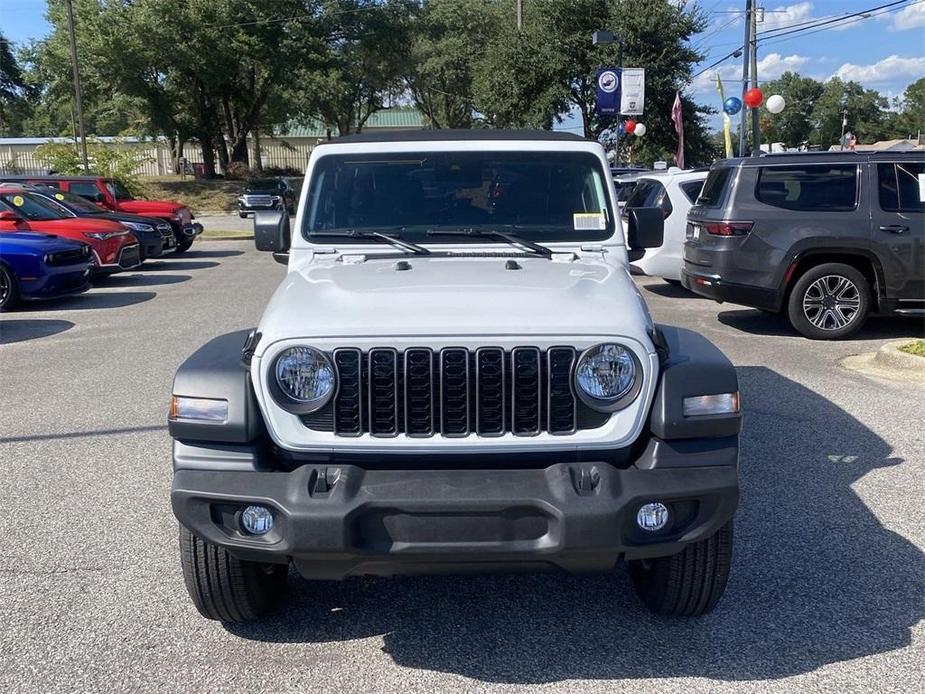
<point x="829" y="302"/>
<point x="687" y="584"/>
<point x="183" y="246"/>
<point x="9" y="289"/>
<point x="225" y="588"/>
<point x="242" y="215"/>
<point x="673" y="283"/>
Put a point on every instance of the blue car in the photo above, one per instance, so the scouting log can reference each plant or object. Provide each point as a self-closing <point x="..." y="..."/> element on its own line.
<point x="40" y="266"/>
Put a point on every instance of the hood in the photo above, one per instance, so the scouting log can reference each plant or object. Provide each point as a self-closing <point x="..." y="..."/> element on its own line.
<point x="40" y="243"/>
<point x="455" y="296"/>
<point x="155" y="207"/>
<point x="127" y="217"/>
<point x="75" y="224"/>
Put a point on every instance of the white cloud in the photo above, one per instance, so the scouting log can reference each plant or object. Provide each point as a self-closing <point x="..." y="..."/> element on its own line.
<point x="887" y="70"/>
<point x="910" y="17"/>
<point x="770" y="67"/>
<point x="782" y="16"/>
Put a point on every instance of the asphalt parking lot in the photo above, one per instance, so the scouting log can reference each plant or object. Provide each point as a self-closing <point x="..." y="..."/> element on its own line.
<point x="827" y="592"/>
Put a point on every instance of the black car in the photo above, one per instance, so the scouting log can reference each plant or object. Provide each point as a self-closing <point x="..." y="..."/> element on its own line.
<point x="827" y="238"/>
<point x="154" y="235"/>
<point x="266" y="194"/>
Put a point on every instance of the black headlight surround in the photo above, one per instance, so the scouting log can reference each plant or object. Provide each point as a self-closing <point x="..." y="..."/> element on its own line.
<point x="287" y="402"/>
<point x="601" y="404"/>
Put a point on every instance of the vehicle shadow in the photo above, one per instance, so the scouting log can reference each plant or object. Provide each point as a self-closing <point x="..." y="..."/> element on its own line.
<point x="209" y="254"/>
<point x="816" y="580"/>
<point x="671" y="291"/>
<point x="138" y="280"/>
<point x="179" y="264"/>
<point x="89" y="300"/>
<point x="757" y="322"/>
<point x="21" y="330"/>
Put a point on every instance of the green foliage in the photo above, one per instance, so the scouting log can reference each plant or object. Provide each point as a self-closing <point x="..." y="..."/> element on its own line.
<point x="795" y="124"/>
<point x="12" y="91"/>
<point x="115" y="160"/>
<point x="909" y="120"/>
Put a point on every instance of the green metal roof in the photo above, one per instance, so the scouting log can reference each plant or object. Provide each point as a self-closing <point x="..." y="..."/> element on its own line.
<point x="386" y="118"/>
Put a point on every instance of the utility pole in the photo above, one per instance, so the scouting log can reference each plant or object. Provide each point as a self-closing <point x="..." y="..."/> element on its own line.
<point x="520" y="15"/>
<point x="745" y="57"/>
<point x="77" y="95"/>
<point x="756" y="129"/>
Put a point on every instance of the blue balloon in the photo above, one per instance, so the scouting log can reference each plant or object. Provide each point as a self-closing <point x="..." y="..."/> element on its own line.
<point x="732" y="105"/>
<point x="622" y="128"/>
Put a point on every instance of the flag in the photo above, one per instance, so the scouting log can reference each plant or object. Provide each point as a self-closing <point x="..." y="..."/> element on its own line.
<point x="727" y="121"/>
<point x="679" y="129"/>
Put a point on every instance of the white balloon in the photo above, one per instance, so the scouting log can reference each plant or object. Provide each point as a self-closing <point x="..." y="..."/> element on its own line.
<point x="776" y="103"/>
<point x="640" y="130"/>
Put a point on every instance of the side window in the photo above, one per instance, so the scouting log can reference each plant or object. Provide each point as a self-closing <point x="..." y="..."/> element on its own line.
<point x="85" y="189"/>
<point x="810" y="187"/>
<point x="898" y="187"/>
<point x="691" y="190"/>
<point x="711" y="195"/>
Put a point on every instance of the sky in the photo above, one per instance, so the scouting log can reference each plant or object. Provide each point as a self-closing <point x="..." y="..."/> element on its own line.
<point x="885" y="51"/>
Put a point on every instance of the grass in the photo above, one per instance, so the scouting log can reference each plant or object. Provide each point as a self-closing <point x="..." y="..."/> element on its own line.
<point x="226" y="233"/>
<point x="917" y="348"/>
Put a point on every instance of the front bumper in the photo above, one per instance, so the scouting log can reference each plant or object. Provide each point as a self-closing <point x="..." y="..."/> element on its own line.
<point x="714" y="287"/>
<point x="129" y="258"/>
<point x="337" y="520"/>
<point x="59" y="281"/>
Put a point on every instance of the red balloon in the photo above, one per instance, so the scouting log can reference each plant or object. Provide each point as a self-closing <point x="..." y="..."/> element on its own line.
<point x="753" y="97"/>
<point x="629" y="126"/>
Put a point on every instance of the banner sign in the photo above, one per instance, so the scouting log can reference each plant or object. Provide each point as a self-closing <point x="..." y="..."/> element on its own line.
<point x="608" y="91"/>
<point x="633" y="91"/>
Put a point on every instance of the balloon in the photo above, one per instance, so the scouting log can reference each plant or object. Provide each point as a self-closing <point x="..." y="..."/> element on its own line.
<point x="776" y="103"/>
<point x="640" y="129"/>
<point x="622" y="128"/>
<point x="630" y="126"/>
<point x="754" y="97"/>
<point x="732" y="105"/>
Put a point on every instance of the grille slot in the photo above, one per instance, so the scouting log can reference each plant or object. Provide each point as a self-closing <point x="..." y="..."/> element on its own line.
<point x="561" y="403"/>
<point x="383" y="392"/>
<point x="455" y="392"/>
<point x="419" y="392"/>
<point x="526" y="397"/>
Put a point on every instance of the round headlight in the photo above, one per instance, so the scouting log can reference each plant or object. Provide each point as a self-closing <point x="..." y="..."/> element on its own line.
<point x="606" y="377"/>
<point x="305" y="376"/>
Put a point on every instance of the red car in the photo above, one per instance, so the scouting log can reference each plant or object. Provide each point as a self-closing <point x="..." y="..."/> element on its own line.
<point x="112" y="195"/>
<point x="114" y="247"/>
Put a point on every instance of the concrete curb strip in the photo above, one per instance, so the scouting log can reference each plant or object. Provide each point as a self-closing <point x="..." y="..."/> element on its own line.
<point x="890" y="357"/>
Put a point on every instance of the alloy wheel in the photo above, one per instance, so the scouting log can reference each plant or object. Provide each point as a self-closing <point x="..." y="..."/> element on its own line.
<point x="6" y="286"/>
<point x="831" y="302"/>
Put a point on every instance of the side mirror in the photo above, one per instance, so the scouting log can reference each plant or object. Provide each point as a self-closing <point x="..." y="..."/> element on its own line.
<point x="9" y="216"/>
<point x="646" y="227"/>
<point x="271" y="231"/>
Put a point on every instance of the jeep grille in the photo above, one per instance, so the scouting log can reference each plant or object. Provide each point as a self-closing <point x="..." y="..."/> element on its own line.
<point x="454" y="392"/>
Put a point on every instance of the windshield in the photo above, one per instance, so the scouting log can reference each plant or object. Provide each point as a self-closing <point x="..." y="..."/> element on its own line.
<point x="75" y="202"/>
<point x="264" y="184"/>
<point x="543" y="196"/>
<point x="118" y="191"/>
<point x="34" y="207"/>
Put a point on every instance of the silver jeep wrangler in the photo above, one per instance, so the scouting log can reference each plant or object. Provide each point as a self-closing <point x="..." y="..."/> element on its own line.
<point x="457" y="374"/>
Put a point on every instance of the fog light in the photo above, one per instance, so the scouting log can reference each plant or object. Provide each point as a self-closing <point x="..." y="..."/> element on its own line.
<point x="652" y="516"/>
<point x="256" y="520"/>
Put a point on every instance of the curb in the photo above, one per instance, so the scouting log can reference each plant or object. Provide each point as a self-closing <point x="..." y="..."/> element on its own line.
<point x="889" y="357"/>
<point x="229" y="237"/>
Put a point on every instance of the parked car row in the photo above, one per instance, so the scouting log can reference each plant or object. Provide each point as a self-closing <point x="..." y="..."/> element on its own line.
<point x="825" y="238"/>
<point x="53" y="239"/>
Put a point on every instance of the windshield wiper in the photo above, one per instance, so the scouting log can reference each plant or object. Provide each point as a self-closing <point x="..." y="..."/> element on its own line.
<point x="512" y="239"/>
<point x="406" y="246"/>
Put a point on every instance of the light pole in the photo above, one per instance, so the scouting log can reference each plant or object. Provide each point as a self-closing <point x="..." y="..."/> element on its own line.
<point x="607" y="38"/>
<point x="77" y="95"/>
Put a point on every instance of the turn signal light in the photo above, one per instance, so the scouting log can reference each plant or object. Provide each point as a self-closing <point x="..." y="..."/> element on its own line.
<point x="721" y="403"/>
<point x="198" y="409"/>
<point x="728" y="228"/>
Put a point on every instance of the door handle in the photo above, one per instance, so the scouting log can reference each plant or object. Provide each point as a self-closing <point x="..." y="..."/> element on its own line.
<point x="894" y="228"/>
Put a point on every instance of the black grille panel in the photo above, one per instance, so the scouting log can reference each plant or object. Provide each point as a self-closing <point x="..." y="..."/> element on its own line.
<point x="455" y="392"/>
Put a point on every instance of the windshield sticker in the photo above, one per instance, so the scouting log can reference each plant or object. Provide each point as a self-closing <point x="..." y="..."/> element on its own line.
<point x="18" y="201"/>
<point x="589" y="221"/>
<point x="922" y="187"/>
<point x="59" y="196"/>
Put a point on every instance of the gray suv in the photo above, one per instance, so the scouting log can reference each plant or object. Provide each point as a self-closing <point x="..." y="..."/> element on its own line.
<point x="829" y="238"/>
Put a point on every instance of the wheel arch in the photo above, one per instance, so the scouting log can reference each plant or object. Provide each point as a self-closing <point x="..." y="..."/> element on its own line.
<point x="860" y="259"/>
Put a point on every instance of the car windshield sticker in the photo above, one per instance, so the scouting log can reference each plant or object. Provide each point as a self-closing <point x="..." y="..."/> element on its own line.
<point x="589" y="221"/>
<point x="18" y="201"/>
<point x="59" y="196"/>
<point x="922" y="187"/>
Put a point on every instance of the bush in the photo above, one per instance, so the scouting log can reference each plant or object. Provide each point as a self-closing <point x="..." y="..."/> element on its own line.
<point x="110" y="159"/>
<point x="237" y="171"/>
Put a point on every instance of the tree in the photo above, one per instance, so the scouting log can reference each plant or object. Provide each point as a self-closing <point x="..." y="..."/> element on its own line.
<point x="909" y="120"/>
<point x="795" y="124"/>
<point x="13" y="104"/>
<point x="864" y="109"/>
